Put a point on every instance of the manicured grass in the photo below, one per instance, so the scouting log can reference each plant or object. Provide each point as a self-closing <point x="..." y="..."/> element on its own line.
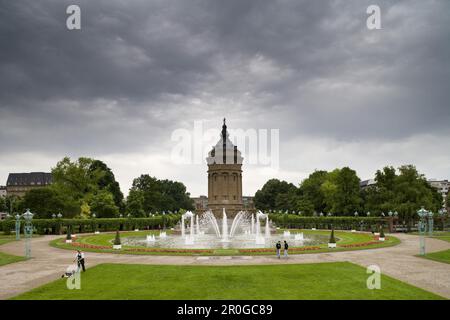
<point x="339" y="280"/>
<point x="441" y="235"/>
<point x="8" y="258"/>
<point x="347" y="241"/>
<point x="441" y="256"/>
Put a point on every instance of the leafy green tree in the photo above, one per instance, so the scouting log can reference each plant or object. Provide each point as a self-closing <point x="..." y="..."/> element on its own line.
<point x="305" y="206"/>
<point x="312" y="190"/>
<point x="105" y="180"/>
<point x="265" y="199"/>
<point x="135" y="203"/>
<point x="43" y="202"/>
<point x="103" y="205"/>
<point x="158" y="195"/>
<point x="347" y="198"/>
<point x="3" y="206"/>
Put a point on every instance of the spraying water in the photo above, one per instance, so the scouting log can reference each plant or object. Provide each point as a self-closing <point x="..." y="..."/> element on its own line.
<point x="224" y="227"/>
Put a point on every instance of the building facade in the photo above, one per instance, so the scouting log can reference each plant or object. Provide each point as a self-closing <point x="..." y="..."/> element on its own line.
<point x="225" y="176"/>
<point x="442" y="186"/>
<point x="19" y="183"/>
<point x="3" y="192"/>
<point x="200" y="203"/>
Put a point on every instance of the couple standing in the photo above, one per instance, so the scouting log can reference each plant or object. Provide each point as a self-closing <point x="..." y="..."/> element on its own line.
<point x="286" y="247"/>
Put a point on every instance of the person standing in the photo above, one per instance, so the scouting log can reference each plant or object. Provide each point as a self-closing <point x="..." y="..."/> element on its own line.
<point x="80" y="260"/>
<point x="286" y="247"/>
<point x="278" y="246"/>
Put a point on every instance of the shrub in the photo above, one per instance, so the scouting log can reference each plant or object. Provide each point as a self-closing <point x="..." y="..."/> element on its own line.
<point x="381" y="232"/>
<point x="117" y="239"/>
<point x="332" y="239"/>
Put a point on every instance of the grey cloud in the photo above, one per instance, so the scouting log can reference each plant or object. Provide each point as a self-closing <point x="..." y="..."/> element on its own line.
<point x="139" y="69"/>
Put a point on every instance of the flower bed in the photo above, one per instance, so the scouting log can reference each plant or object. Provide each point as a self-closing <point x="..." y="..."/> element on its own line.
<point x="362" y="244"/>
<point x="168" y="250"/>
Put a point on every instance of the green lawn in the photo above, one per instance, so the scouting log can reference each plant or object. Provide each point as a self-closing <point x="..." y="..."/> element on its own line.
<point x="8" y="258"/>
<point x="441" y="256"/>
<point x="346" y="240"/>
<point x="339" y="280"/>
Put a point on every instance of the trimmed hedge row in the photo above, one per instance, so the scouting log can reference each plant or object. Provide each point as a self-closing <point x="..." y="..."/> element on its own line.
<point x="59" y="226"/>
<point x="341" y="223"/>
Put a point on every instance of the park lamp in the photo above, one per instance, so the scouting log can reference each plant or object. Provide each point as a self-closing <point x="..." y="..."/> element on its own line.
<point x="17" y="216"/>
<point x="93" y="215"/>
<point x="395" y="214"/>
<point x="368" y="213"/>
<point x="422" y="213"/>
<point x="59" y="215"/>
<point x="54" y="216"/>
<point x="356" y="213"/>
<point x="442" y="212"/>
<point x="329" y="214"/>
<point x="28" y="215"/>
<point x="390" y="213"/>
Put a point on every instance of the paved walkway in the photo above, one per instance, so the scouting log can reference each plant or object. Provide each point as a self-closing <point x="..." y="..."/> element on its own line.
<point x="49" y="263"/>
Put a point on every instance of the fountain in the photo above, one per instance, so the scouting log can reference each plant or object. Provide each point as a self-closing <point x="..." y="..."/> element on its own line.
<point x="267" y="232"/>
<point x="252" y="230"/>
<point x="299" y="237"/>
<point x="197" y="225"/>
<point x="224" y="227"/>
<point x="259" y="239"/>
<point x="206" y="231"/>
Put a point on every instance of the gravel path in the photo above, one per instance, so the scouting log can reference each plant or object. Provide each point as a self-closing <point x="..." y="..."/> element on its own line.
<point x="49" y="263"/>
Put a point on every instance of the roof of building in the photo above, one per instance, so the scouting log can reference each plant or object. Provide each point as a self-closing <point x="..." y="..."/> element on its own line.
<point x="366" y="183"/>
<point x="29" y="179"/>
<point x="224" y="151"/>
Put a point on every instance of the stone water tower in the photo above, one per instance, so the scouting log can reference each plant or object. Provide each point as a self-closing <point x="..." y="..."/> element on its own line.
<point x="225" y="176"/>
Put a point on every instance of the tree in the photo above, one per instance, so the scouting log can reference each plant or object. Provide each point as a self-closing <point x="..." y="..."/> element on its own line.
<point x="3" y="206"/>
<point x="311" y="189"/>
<point x="347" y="197"/>
<point x="135" y="203"/>
<point x="148" y="194"/>
<point x="43" y="202"/>
<point x="265" y="199"/>
<point x="103" y="205"/>
<point x="305" y="206"/>
<point x="105" y="180"/>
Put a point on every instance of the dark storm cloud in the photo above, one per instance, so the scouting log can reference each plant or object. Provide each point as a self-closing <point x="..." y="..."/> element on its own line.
<point x="138" y="69"/>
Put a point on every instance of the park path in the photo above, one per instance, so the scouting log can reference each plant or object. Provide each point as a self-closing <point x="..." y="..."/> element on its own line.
<point x="49" y="263"/>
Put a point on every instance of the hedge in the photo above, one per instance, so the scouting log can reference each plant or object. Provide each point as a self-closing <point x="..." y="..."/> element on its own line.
<point x="326" y="222"/>
<point x="59" y="226"/>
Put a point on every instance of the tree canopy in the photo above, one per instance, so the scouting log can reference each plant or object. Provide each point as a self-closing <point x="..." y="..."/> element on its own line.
<point x="149" y="194"/>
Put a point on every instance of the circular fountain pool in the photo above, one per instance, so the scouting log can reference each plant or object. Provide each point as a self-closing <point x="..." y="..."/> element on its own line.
<point x="207" y="232"/>
<point x="210" y="241"/>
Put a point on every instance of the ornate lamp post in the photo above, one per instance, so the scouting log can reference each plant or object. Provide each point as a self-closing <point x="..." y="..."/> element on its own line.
<point x="59" y="216"/>
<point x="17" y="227"/>
<point x="164" y="220"/>
<point x="423" y="214"/>
<point x="28" y="230"/>
<point x="442" y="213"/>
<point x="430" y="223"/>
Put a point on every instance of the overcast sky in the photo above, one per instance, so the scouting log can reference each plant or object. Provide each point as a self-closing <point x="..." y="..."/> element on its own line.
<point x="340" y="94"/>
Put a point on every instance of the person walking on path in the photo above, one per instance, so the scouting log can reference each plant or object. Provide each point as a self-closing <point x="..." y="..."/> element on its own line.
<point x="80" y="260"/>
<point x="286" y="247"/>
<point x="278" y="246"/>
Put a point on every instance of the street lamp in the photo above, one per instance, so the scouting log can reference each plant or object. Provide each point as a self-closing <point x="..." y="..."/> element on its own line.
<point x="390" y="213"/>
<point x="17" y="227"/>
<point x="356" y="213"/>
<point x="53" y="216"/>
<point x="368" y="213"/>
<point x="28" y="230"/>
<point x="442" y="213"/>
<point x="423" y="214"/>
<point x="430" y="223"/>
